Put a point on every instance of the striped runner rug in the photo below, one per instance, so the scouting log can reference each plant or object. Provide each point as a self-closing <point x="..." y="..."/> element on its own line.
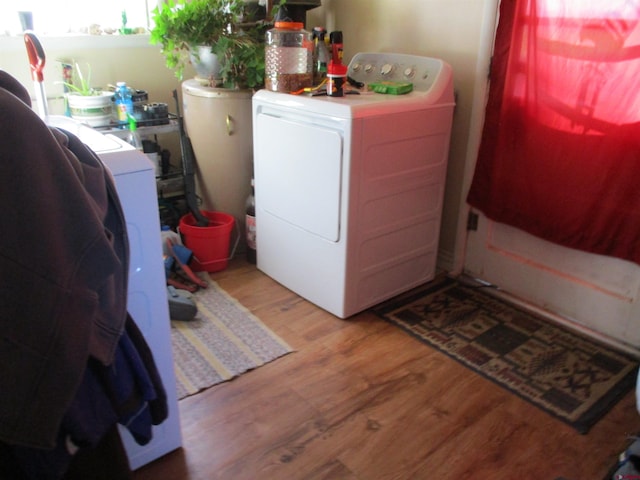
<point x="223" y="341"/>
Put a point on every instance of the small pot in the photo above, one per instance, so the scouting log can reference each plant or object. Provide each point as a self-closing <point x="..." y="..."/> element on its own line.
<point x="205" y="63"/>
<point x="93" y="110"/>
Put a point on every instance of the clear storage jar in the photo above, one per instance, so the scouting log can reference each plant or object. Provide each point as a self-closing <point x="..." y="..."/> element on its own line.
<point x="288" y="57"/>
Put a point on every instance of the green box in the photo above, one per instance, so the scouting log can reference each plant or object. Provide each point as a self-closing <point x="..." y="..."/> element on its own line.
<point x="391" y="88"/>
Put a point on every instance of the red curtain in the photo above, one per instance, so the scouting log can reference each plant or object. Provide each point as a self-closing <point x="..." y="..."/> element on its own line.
<point x="560" y="151"/>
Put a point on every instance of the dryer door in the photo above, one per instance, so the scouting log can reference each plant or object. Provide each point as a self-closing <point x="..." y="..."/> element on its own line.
<point x="299" y="167"/>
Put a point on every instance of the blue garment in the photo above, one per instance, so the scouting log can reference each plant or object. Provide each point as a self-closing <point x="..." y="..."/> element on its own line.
<point x="129" y="392"/>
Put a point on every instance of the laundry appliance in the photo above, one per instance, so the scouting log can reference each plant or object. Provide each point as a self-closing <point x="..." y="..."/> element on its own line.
<point x="134" y="176"/>
<point x="349" y="190"/>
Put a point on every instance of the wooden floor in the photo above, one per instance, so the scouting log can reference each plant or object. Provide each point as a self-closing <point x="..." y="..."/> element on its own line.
<point x="360" y="399"/>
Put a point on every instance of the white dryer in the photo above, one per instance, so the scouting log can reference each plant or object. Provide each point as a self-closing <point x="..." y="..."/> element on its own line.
<point x="349" y="190"/>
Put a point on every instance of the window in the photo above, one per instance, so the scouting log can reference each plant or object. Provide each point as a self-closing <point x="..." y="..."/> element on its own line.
<point x="583" y="9"/>
<point x="51" y="17"/>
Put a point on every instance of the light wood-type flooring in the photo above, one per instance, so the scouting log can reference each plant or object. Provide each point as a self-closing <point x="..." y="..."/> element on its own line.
<point x="360" y="399"/>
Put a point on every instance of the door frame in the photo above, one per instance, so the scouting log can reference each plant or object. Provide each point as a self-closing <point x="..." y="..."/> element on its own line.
<point x="480" y="94"/>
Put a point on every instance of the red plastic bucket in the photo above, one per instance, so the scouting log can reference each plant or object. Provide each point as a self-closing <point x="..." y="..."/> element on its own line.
<point x="210" y="245"/>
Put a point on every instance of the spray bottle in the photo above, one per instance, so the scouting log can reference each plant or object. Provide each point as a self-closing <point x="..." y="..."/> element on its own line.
<point x="321" y="56"/>
<point x="133" y="137"/>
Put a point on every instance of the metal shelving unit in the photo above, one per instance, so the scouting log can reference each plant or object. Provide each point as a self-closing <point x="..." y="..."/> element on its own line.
<point x="170" y="186"/>
<point x="144" y="128"/>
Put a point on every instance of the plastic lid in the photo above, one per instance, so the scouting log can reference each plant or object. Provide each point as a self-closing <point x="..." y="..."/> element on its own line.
<point x="336" y="37"/>
<point x="290" y="25"/>
<point x="121" y="84"/>
<point x="319" y="32"/>
<point x="337" y="69"/>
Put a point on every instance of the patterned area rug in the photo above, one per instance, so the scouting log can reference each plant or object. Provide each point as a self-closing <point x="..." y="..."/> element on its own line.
<point x="569" y="376"/>
<point x="221" y="342"/>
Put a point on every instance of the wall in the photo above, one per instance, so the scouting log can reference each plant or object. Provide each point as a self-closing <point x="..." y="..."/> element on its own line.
<point x="454" y="30"/>
<point x="112" y="59"/>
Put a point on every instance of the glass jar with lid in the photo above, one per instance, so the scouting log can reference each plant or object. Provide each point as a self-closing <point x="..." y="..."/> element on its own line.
<point x="288" y="57"/>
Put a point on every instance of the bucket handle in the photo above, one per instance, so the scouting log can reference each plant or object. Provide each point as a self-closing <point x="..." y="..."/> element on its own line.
<point x="235" y="245"/>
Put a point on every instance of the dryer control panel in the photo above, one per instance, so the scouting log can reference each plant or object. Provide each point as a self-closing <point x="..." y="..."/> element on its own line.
<point x="395" y="67"/>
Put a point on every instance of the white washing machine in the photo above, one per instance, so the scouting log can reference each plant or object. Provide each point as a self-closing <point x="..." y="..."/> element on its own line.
<point x="134" y="177"/>
<point x="349" y="190"/>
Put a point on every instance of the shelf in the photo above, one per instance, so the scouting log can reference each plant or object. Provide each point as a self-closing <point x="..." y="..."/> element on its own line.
<point x="144" y="130"/>
<point x="170" y="185"/>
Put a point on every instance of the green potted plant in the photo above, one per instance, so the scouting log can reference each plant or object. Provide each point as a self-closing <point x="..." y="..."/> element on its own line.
<point x="87" y="103"/>
<point x="188" y="30"/>
<point x="241" y="57"/>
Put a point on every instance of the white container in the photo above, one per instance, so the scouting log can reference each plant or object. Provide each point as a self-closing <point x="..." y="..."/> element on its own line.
<point x="92" y="110"/>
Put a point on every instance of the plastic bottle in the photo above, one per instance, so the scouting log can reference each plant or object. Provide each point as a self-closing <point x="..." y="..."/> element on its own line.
<point x="133" y="137"/>
<point x="250" y="225"/>
<point x="336" y="76"/>
<point x="336" y="47"/>
<point x="124" y="103"/>
<point x="152" y="150"/>
<point x="320" y="55"/>
<point x="288" y="57"/>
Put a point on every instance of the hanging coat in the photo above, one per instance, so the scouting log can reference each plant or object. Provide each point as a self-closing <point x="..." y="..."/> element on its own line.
<point x="64" y="258"/>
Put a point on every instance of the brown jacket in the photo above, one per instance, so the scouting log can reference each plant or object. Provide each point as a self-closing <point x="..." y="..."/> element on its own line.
<point x="63" y="269"/>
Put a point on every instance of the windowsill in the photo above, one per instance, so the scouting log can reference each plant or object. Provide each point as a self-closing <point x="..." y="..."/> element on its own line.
<point x="16" y="42"/>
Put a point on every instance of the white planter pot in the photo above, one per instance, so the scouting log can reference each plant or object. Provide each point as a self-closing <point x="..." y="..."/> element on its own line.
<point x="219" y="123"/>
<point x="95" y="111"/>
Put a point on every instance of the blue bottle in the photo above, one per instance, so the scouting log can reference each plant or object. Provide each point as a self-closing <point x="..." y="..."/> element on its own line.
<point x="124" y="103"/>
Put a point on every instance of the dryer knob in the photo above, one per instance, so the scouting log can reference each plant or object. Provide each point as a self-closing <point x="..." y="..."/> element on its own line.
<point x="386" y="69"/>
<point x="368" y="67"/>
<point x="409" y="72"/>
<point x="356" y="67"/>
